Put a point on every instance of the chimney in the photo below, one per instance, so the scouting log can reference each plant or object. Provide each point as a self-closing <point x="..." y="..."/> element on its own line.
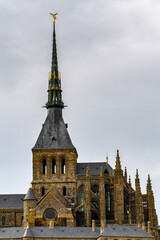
<point x="93" y="225"/>
<point x="51" y="224"/>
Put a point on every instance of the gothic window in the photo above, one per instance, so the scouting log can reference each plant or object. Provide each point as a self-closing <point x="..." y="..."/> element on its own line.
<point x="107" y="198"/>
<point x="64" y="191"/>
<point x="96" y="205"/>
<point x="95" y="189"/>
<point x="81" y="197"/>
<point x="3" y="221"/>
<point x="53" y="166"/>
<point x="42" y="191"/>
<point x="63" y="166"/>
<point x="44" y="166"/>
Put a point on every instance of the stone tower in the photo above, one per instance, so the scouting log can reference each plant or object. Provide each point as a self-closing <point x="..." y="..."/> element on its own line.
<point x="54" y="156"/>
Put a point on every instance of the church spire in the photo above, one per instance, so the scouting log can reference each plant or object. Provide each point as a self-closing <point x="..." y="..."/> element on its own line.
<point x="54" y="85"/>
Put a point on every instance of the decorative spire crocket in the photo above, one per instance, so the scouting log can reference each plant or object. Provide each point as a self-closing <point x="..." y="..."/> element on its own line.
<point x="54" y="86"/>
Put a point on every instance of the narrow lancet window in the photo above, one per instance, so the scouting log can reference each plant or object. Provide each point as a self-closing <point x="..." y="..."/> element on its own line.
<point x="63" y="166"/>
<point x="44" y="166"/>
<point x="3" y="221"/>
<point x="64" y="191"/>
<point x="43" y="191"/>
<point x="53" y="166"/>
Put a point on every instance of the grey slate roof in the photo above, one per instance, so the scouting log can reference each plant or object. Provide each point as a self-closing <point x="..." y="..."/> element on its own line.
<point x="54" y="134"/>
<point x="11" y="200"/>
<point x="46" y="232"/>
<point x="74" y="232"/>
<point x="28" y="233"/>
<point x="94" y="167"/>
<point x="125" y="231"/>
<point x="30" y="195"/>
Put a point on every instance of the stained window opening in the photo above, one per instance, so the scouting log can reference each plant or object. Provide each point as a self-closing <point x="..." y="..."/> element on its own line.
<point x="53" y="166"/>
<point x="63" y="166"/>
<point x="64" y="191"/>
<point x="43" y="191"/>
<point x="3" y="221"/>
<point x="44" y="166"/>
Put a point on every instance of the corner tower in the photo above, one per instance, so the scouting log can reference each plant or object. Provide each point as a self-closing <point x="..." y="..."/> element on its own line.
<point x="54" y="156"/>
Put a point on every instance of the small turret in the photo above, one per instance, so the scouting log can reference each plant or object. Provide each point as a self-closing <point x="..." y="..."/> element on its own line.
<point x="118" y="176"/>
<point x="29" y="202"/>
<point x="137" y="182"/>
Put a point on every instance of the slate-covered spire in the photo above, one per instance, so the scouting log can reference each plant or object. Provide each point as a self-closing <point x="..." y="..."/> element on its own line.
<point x="54" y="85"/>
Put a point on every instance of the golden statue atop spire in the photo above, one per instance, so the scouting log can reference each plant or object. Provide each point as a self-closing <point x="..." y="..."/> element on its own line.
<point x="54" y="17"/>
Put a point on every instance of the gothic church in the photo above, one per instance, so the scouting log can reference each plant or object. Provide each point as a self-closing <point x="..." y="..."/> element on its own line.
<point x="68" y="193"/>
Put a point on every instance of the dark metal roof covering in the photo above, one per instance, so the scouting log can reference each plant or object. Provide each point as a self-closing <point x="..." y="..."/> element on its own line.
<point x="125" y="231"/>
<point x="11" y="200"/>
<point x="94" y="167"/>
<point x="30" y="195"/>
<point x="54" y="134"/>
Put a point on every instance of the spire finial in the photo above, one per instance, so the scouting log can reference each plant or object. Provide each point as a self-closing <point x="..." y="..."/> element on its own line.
<point x="54" y="17"/>
<point x="54" y="85"/>
<point x="107" y="159"/>
<point x="118" y="164"/>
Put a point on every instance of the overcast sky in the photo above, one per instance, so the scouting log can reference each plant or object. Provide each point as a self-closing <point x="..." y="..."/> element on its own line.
<point x="109" y="56"/>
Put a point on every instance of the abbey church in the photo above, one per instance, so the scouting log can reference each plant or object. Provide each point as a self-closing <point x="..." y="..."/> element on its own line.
<point x="71" y="199"/>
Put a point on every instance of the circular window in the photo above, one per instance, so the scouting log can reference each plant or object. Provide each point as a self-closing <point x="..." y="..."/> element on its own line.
<point x="50" y="214"/>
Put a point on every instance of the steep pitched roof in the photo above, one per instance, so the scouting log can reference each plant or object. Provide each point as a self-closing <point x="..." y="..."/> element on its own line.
<point x="94" y="167"/>
<point x="125" y="231"/>
<point x="54" y="134"/>
<point x="11" y="200"/>
<point x="30" y="195"/>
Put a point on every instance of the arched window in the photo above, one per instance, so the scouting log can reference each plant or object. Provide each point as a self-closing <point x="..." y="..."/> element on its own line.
<point x="95" y="189"/>
<point x="53" y="166"/>
<point x="63" y="167"/>
<point x="81" y="197"/>
<point x="107" y="198"/>
<point x="3" y="221"/>
<point x="42" y="191"/>
<point x="44" y="166"/>
<point x="64" y="191"/>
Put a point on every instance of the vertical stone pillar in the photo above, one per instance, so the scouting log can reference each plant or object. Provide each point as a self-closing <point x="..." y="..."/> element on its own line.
<point x="87" y="199"/>
<point x="102" y="196"/>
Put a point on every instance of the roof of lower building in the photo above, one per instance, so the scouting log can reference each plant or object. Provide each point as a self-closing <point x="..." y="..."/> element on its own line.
<point x="54" y="134"/>
<point x="46" y="232"/>
<point x="125" y="231"/>
<point x="11" y="200"/>
<point x="74" y="232"/>
<point x="94" y="167"/>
